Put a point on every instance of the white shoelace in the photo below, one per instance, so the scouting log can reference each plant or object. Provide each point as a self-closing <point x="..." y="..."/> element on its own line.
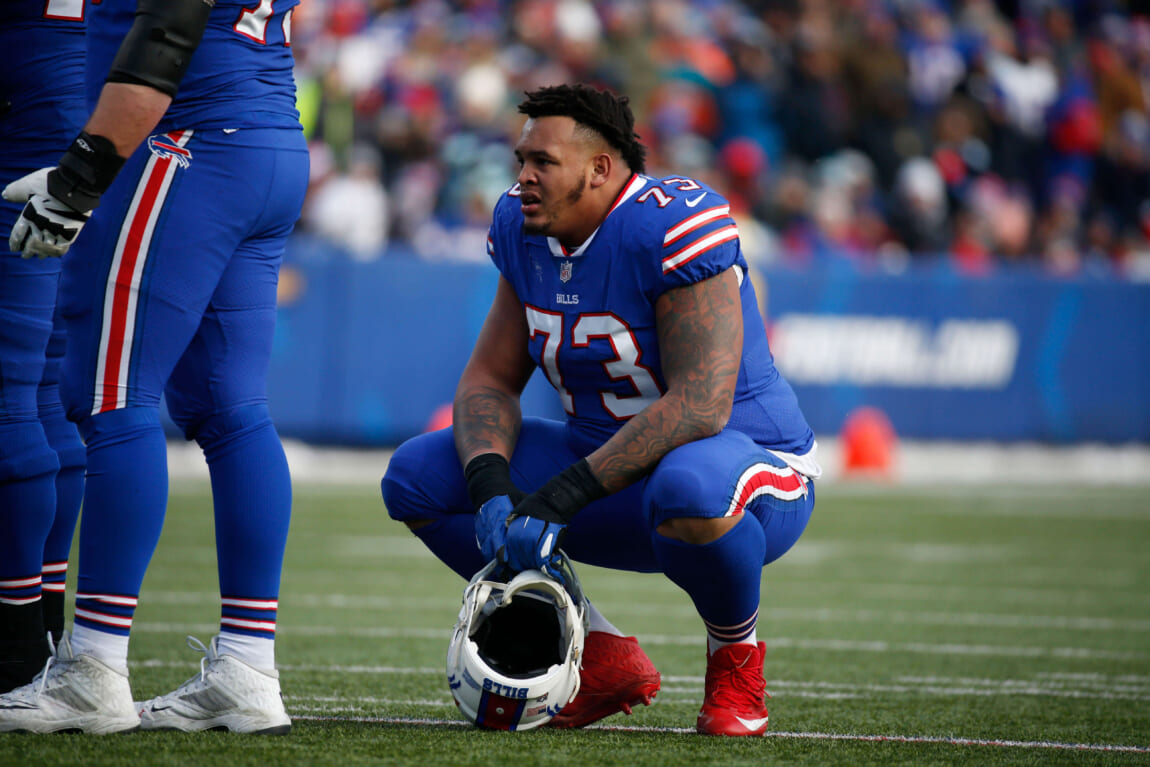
<point x="199" y="647"/>
<point x="43" y="675"/>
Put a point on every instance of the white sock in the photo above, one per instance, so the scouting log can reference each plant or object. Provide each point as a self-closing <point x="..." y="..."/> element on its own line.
<point x="109" y="649"/>
<point x="257" y="652"/>
<point x="596" y="622"/>
<point x="714" y="644"/>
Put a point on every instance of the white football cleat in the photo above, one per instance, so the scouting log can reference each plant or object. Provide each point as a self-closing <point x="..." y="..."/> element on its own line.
<point x="71" y="693"/>
<point x="228" y="694"/>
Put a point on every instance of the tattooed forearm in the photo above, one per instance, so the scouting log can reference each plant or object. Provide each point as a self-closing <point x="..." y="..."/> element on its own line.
<point x="701" y="341"/>
<point x="485" y="420"/>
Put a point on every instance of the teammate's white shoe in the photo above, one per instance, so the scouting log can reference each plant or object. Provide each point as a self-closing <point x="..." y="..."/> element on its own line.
<point x="71" y="693"/>
<point x="228" y="694"/>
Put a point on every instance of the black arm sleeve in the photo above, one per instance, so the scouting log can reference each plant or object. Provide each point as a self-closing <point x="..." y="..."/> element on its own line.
<point x="158" y="48"/>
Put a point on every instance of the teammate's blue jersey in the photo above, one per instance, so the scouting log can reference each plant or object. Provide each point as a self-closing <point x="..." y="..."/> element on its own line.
<point x="591" y="313"/>
<point x="240" y="76"/>
<point x="62" y="14"/>
<point x="41" y="83"/>
<point x="41" y="89"/>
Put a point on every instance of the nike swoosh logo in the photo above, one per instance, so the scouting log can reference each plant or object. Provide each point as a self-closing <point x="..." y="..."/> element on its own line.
<point x="691" y="204"/>
<point x="230" y="130"/>
<point x="752" y="724"/>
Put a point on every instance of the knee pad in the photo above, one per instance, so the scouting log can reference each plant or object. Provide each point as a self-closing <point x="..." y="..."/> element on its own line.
<point x="397" y="487"/>
<point x="216" y="430"/>
<point x="682" y="491"/>
<point x="24" y="451"/>
<point x="64" y="439"/>
<point x="703" y="478"/>
<point x="116" y="425"/>
<point x="23" y="341"/>
<point x="417" y="484"/>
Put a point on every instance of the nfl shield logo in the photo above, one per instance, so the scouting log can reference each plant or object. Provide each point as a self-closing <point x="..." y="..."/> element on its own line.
<point x="565" y="271"/>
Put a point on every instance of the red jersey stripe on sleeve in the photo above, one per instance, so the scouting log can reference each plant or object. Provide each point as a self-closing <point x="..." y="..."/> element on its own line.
<point x="697" y="247"/>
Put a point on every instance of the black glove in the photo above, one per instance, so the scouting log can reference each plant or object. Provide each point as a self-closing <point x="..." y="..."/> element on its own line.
<point x="58" y="201"/>
<point x="537" y="526"/>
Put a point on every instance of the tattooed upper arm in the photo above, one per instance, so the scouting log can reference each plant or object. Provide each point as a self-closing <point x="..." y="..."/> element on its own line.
<point x="701" y="343"/>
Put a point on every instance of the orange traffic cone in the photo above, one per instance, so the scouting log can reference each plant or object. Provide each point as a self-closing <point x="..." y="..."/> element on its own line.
<point x="868" y="444"/>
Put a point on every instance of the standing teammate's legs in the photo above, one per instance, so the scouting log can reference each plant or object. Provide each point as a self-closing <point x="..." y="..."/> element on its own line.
<point x="154" y="280"/>
<point x="218" y="395"/>
<point x="135" y="288"/>
<point x="69" y="448"/>
<point x="41" y="112"/>
<point x="28" y="465"/>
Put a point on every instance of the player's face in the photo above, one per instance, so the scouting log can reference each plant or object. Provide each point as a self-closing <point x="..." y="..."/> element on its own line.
<point x="554" y="165"/>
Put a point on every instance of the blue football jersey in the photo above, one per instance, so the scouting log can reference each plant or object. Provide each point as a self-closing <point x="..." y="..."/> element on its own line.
<point x="41" y="89"/>
<point x="41" y="83"/>
<point x="240" y="75"/>
<point x="62" y="14"/>
<point x="591" y="313"/>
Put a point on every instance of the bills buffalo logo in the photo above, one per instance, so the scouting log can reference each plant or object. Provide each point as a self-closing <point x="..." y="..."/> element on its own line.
<point x="166" y="149"/>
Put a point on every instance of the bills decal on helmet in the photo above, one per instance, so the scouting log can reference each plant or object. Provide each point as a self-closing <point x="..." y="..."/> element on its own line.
<point x="498" y="712"/>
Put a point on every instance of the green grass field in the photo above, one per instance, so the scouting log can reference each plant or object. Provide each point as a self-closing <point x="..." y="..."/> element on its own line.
<point x="909" y="626"/>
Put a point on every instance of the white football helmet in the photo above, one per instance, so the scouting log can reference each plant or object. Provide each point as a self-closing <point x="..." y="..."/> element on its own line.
<point x="514" y="657"/>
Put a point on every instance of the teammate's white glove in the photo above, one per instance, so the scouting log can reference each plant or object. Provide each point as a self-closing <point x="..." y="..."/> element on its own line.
<point x="58" y="201"/>
<point x="47" y="226"/>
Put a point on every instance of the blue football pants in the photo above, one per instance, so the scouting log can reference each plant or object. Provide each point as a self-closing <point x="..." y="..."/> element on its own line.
<point x="723" y="475"/>
<point x="171" y="291"/>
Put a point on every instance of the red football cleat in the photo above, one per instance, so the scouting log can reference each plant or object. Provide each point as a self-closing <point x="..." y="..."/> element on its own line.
<point x="735" y="691"/>
<point x="616" y="675"/>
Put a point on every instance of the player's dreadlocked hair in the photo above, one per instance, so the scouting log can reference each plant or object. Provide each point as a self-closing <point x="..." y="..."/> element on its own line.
<point x="602" y="111"/>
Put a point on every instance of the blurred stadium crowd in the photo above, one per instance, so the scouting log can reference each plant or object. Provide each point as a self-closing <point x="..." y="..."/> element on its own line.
<point x="868" y="132"/>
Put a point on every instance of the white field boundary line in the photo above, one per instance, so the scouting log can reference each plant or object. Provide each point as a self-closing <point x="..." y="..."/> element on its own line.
<point x="837" y="645"/>
<point x="766" y="614"/>
<point x="912" y="739"/>
<point x="918" y="463"/>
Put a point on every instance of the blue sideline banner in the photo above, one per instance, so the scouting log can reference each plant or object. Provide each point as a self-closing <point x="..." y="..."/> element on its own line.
<point x="1013" y="357"/>
<point x="370" y="353"/>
